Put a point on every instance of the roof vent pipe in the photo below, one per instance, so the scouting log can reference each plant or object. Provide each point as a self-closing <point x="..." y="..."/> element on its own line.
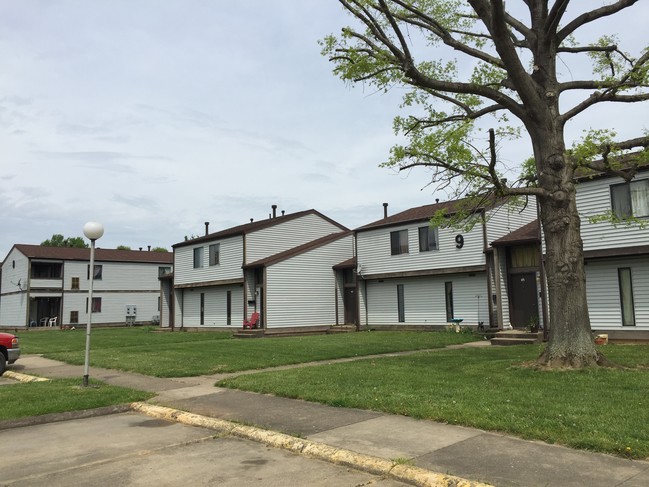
<point x="149" y="248"/>
<point x="436" y="200"/>
<point x="207" y="228"/>
<point x="274" y="207"/>
<point x="282" y="212"/>
<point x="385" y="210"/>
<point x="251" y="220"/>
<point x="140" y="249"/>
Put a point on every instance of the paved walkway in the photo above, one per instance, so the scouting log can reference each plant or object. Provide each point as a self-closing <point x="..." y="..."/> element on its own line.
<point x="464" y="452"/>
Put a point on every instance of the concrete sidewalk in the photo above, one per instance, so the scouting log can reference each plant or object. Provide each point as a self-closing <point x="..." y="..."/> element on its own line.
<point x="464" y="452"/>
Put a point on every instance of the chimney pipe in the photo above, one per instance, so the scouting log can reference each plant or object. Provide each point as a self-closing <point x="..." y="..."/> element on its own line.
<point x="251" y="220"/>
<point x="385" y="210"/>
<point x="436" y="200"/>
<point x="207" y="228"/>
<point x="282" y="212"/>
<point x="274" y="211"/>
<point x="140" y="249"/>
<point x="149" y="248"/>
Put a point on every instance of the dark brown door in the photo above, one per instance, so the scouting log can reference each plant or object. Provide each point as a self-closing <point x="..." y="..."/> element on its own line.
<point x="523" y="308"/>
<point x="351" y="306"/>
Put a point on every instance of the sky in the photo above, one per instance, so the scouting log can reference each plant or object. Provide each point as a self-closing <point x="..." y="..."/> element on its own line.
<point x="155" y="116"/>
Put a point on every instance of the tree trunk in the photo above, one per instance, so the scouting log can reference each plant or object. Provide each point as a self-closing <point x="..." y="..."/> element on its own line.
<point x="570" y="339"/>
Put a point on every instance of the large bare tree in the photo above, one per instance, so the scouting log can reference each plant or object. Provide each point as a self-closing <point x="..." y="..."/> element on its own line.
<point x="462" y="63"/>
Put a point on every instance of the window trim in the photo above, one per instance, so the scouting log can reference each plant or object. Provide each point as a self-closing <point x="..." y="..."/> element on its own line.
<point x="75" y="283"/>
<point x="428" y="229"/>
<point x="198" y="257"/>
<point x="99" y="271"/>
<point x="628" y="196"/>
<point x="626" y="320"/>
<point x="397" y="246"/>
<point x="217" y="254"/>
<point x="401" y="304"/>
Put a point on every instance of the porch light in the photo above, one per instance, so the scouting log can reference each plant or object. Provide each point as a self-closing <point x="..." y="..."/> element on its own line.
<point x="92" y="231"/>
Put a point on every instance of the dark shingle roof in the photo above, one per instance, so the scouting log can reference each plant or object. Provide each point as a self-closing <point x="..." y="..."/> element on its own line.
<point x="253" y="226"/>
<point x="421" y="213"/>
<point x="105" y="255"/>
<point x="346" y="264"/>
<point x="287" y="254"/>
<point x="526" y="234"/>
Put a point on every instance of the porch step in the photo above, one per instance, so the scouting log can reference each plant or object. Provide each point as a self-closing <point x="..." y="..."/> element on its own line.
<point x="280" y="332"/>
<point x="516" y="337"/>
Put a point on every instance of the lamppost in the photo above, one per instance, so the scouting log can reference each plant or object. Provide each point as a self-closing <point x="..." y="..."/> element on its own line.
<point x="92" y="231"/>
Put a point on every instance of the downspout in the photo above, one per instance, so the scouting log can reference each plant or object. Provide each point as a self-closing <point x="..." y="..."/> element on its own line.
<point x="486" y="247"/>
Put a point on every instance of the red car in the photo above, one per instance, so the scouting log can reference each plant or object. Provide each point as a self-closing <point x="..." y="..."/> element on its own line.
<point x="9" y="351"/>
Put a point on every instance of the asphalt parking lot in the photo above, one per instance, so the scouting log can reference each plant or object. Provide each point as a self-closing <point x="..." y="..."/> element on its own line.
<point x="133" y="449"/>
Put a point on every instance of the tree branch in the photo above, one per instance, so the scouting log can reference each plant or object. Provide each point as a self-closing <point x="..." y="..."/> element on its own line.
<point x="596" y="14"/>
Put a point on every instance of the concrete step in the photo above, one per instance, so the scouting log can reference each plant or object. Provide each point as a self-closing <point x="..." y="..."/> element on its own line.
<point x="513" y="341"/>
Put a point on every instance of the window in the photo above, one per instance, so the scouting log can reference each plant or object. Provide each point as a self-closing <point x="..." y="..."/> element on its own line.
<point x="96" y="305"/>
<point x="427" y="239"/>
<point x="630" y="199"/>
<point x="401" y="304"/>
<point x="202" y="308"/>
<point x="163" y="271"/>
<point x="198" y="257"/>
<point x="228" y="308"/>
<point x="74" y="317"/>
<point x="214" y="254"/>
<point x="75" y="283"/>
<point x="626" y="296"/>
<point x="448" y="291"/>
<point x="98" y="272"/>
<point x="399" y="242"/>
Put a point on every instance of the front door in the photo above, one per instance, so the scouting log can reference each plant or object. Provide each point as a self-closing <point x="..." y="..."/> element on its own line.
<point x="351" y="306"/>
<point x="524" y="308"/>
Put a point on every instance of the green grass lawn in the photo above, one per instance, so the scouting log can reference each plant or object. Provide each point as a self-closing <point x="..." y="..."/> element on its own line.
<point x="56" y="396"/>
<point x="604" y="410"/>
<point x="181" y="354"/>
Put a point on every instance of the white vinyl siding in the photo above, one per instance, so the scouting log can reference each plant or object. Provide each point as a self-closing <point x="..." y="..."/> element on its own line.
<point x="505" y="219"/>
<point x="230" y="260"/>
<point x="301" y="291"/>
<point x="603" y="292"/>
<point x="286" y="235"/>
<point x="127" y="276"/>
<point x="113" y="306"/>
<point x="375" y="256"/>
<point x="13" y="301"/>
<point x="594" y="198"/>
<point x="215" y="306"/>
<point x="425" y="302"/>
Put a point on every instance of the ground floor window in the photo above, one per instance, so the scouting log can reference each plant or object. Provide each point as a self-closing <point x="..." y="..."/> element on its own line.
<point x="626" y="296"/>
<point x="401" y="305"/>
<point x="448" y="291"/>
<point x="228" y="306"/>
<point x="202" y="308"/>
<point x="74" y="317"/>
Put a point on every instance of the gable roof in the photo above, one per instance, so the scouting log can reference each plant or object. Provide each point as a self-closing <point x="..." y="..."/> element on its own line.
<point x="254" y="226"/>
<point x="526" y="234"/>
<point x="300" y="249"/>
<point x="104" y="255"/>
<point x="421" y="213"/>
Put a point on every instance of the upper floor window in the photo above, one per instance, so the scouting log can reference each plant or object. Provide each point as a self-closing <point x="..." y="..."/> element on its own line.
<point x="214" y="254"/>
<point x="98" y="272"/>
<point x="198" y="257"/>
<point x="75" y="283"/>
<point x="630" y="199"/>
<point x="399" y="242"/>
<point x="427" y="239"/>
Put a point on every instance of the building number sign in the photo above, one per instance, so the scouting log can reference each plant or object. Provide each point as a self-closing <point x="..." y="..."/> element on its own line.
<point x="459" y="241"/>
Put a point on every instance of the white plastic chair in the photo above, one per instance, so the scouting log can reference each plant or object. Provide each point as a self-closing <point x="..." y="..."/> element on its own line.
<point x="52" y="321"/>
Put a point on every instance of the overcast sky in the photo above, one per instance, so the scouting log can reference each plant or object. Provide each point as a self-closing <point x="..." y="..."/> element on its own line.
<point x="154" y="116"/>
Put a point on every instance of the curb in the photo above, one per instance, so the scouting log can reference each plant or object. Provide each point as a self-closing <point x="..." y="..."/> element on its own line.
<point x="66" y="416"/>
<point x="339" y="456"/>
<point x="10" y="374"/>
